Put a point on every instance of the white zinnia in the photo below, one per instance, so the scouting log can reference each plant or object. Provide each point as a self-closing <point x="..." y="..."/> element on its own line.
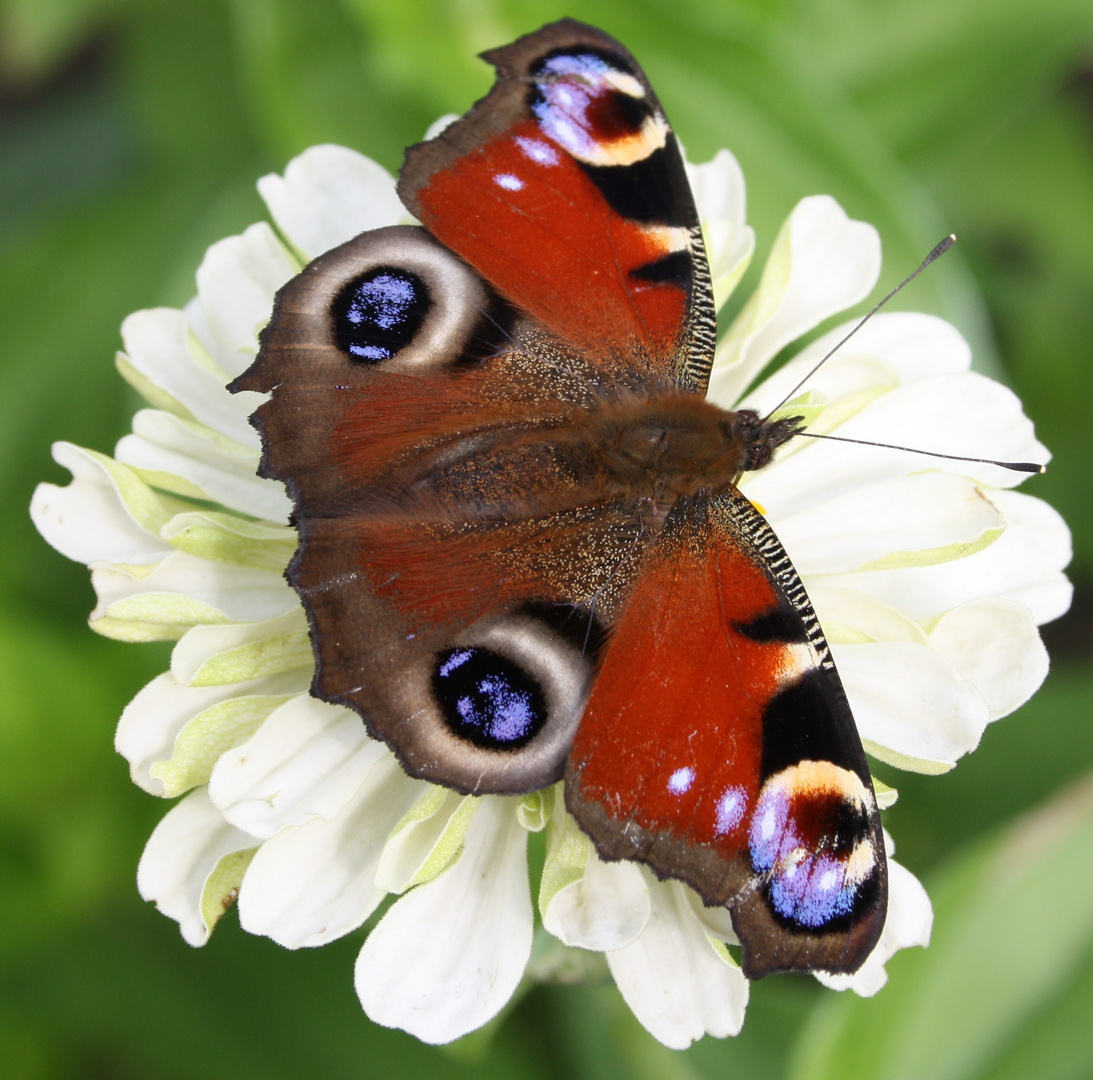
<point x="929" y="578"/>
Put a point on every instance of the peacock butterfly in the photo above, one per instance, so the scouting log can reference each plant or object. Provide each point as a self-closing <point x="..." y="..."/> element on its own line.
<point x="523" y="553"/>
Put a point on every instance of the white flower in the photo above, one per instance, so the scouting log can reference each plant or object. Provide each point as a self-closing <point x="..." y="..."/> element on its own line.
<point x="929" y="577"/>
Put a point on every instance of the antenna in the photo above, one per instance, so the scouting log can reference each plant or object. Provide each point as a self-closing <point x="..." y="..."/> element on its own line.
<point x="1014" y="466"/>
<point x="936" y="253"/>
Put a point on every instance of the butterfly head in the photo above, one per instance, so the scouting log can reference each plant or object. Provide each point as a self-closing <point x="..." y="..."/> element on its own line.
<point x="758" y="438"/>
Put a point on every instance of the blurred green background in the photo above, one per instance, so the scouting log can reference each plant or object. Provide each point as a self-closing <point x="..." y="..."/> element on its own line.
<point x="131" y="133"/>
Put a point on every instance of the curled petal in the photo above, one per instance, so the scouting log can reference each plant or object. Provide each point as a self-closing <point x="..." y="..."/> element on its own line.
<point x="313" y="883"/>
<point x="328" y="195"/>
<point x="822" y="262"/>
<point x="180" y="856"/>
<point x="306" y="760"/>
<point x="236" y="283"/>
<point x="449" y="954"/>
<point x="994" y="644"/>
<point x="677" y="980"/>
<point x="912" y="708"/>
<point x="106" y="513"/>
<point x="160" y="352"/>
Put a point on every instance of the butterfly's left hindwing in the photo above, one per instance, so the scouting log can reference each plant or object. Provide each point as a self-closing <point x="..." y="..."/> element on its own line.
<point x="522" y="551"/>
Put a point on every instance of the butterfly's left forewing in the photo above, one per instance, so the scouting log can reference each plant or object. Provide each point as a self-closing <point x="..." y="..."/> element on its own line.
<point x="718" y="746"/>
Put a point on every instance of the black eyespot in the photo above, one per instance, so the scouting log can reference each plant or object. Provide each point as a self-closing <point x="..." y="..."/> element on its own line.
<point x="379" y="314"/>
<point x="488" y="699"/>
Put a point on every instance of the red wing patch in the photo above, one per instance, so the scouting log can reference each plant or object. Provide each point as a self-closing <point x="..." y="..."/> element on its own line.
<point x="577" y="209"/>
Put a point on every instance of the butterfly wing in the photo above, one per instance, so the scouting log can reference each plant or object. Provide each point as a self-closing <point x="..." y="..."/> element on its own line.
<point x="718" y="747"/>
<point x="565" y="187"/>
<point x="431" y="440"/>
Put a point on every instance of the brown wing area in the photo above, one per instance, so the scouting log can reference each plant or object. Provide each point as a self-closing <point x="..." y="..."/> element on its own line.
<point x="717" y="747"/>
<point x="565" y="188"/>
<point x="442" y="509"/>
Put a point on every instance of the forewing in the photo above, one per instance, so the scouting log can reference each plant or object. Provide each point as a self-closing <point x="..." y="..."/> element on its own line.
<point x="565" y="188"/>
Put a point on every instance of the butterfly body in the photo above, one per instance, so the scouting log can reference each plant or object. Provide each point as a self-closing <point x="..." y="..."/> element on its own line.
<point x="523" y="553"/>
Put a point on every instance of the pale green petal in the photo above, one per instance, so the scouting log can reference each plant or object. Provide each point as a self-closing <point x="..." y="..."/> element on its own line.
<point x="222" y="885"/>
<point x="217" y="655"/>
<point x="212" y="732"/>
<point x="162" y="602"/>
<point x="182" y="854"/>
<point x="415" y="842"/>
<point x="151" y="722"/>
<point x="220" y="537"/>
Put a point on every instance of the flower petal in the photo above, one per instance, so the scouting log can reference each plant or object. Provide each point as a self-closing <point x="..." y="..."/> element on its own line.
<point x="427" y="840"/>
<point x="677" y="981"/>
<point x="719" y="193"/>
<point x="218" y="655"/>
<point x="908" y="700"/>
<point x="162" y="602"/>
<point x="236" y="283"/>
<point x="910" y="345"/>
<point x="910" y="920"/>
<point x="313" y="883"/>
<point x="181" y="854"/>
<point x="105" y="513"/>
<point x="914" y="520"/>
<point x="328" y="195"/>
<point x="821" y="263"/>
<point x="306" y="760"/>
<point x="152" y="722"/>
<point x="166" y="449"/>
<point x="994" y="644"/>
<point x="1024" y="564"/>
<point x="449" y="954"/>
<point x="160" y="348"/>
<point x="584" y="901"/>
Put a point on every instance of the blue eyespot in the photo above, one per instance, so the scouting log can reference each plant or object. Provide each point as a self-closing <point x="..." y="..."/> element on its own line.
<point x="488" y="699"/>
<point x="379" y="314"/>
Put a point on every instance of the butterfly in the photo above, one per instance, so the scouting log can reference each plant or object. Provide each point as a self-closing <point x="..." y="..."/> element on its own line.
<point x="522" y="551"/>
